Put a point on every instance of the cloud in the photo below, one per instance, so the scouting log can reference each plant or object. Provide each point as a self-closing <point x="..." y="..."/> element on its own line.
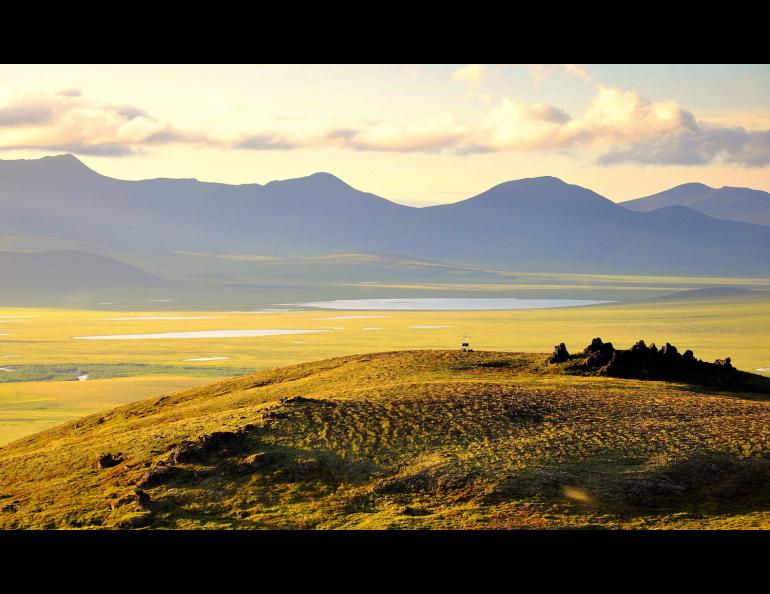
<point x="617" y="126"/>
<point x="697" y="146"/>
<point x="613" y="116"/>
<point x="542" y="72"/>
<point x="428" y="135"/>
<point x="65" y="121"/>
<point x="517" y="125"/>
<point x="269" y="141"/>
<point x="94" y="150"/>
<point x="626" y="126"/>
<point x="578" y="72"/>
<point x="472" y="75"/>
<point x="24" y="113"/>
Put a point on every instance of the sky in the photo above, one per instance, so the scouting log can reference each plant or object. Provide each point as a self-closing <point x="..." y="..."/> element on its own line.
<point x="415" y="134"/>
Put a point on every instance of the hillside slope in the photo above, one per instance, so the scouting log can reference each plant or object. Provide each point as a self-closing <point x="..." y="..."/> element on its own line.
<point x="742" y="205"/>
<point x="417" y="439"/>
<point x="59" y="270"/>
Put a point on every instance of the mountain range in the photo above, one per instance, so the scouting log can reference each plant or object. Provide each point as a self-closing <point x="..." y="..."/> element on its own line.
<point x="536" y="223"/>
<point x="732" y="204"/>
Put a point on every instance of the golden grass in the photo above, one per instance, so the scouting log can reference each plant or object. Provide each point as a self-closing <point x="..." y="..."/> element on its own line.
<point x="737" y="328"/>
<point x="417" y="439"/>
<point x="30" y="407"/>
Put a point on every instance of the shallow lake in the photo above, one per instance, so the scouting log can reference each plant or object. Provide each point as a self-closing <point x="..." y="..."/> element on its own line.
<point x="448" y="303"/>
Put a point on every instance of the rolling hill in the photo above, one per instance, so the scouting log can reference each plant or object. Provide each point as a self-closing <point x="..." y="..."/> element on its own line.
<point x="732" y="204"/>
<point x="67" y="270"/>
<point x="538" y="223"/>
<point x="409" y="439"/>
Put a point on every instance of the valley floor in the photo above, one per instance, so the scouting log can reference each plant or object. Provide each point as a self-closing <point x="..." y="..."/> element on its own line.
<point x="36" y="343"/>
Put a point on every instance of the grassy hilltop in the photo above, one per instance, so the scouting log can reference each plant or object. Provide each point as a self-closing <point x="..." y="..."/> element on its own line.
<point x="408" y="439"/>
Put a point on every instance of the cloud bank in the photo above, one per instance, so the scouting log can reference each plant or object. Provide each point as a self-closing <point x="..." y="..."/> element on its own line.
<point x="616" y="127"/>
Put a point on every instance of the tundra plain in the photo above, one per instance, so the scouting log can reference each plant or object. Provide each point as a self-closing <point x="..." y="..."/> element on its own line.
<point x="39" y="344"/>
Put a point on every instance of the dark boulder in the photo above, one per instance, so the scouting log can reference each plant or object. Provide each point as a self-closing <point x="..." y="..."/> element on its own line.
<point x="217" y="443"/>
<point x="559" y="355"/>
<point x="595" y="346"/>
<point x="142" y="500"/>
<point x="109" y="460"/>
<point x="598" y="353"/>
<point x="139" y="498"/>
<point x="156" y="476"/>
<point x="670" y="351"/>
<point x="724" y="363"/>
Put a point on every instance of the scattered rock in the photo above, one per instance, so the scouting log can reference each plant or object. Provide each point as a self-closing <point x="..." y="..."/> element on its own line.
<point x="217" y="443"/>
<point x="155" y="476"/>
<point x="142" y="500"/>
<point x="559" y="355"/>
<point x="109" y="460"/>
<point x="139" y="498"/>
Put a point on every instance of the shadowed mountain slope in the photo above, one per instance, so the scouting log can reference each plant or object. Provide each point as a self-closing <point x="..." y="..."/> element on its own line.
<point x="732" y="204"/>
<point x="530" y="223"/>
<point x="68" y="270"/>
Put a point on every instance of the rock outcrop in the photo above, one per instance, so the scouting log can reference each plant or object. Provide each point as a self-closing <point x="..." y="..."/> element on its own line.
<point x="559" y="355"/>
<point x="666" y="364"/>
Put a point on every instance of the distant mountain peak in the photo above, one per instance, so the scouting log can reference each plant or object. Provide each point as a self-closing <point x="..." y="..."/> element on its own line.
<point x="320" y="179"/>
<point x="542" y="181"/>
<point x="324" y="175"/>
<point x="728" y="202"/>
<point x="66" y="159"/>
<point x="692" y="186"/>
<point x="326" y="179"/>
<point x="63" y="164"/>
<point x="535" y="192"/>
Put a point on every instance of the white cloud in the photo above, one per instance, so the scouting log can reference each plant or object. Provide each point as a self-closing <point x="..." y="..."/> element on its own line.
<point x="578" y="71"/>
<point x="613" y="116"/>
<point x="67" y="121"/>
<point x="542" y="72"/>
<point x="617" y="125"/>
<point x="472" y="75"/>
